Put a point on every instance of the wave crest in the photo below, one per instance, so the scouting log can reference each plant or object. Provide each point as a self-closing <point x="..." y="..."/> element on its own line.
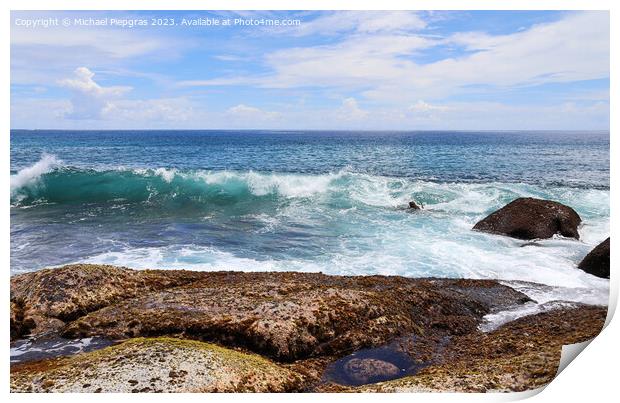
<point x="48" y="181"/>
<point x="27" y="176"/>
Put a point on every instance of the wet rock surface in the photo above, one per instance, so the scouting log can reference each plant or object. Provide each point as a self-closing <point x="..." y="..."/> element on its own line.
<point x="303" y="325"/>
<point x="530" y="218"/>
<point x="597" y="261"/>
<point x="285" y="316"/>
<point x="520" y="355"/>
<point x="35" y="349"/>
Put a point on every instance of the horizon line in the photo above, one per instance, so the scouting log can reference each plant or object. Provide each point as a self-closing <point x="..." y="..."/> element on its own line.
<point x="322" y="130"/>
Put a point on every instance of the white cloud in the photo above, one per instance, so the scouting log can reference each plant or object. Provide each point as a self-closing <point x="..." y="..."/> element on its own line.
<point x="381" y="62"/>
<point x="38" y="112"/>
<point x="350" y="110"/>
<point x="353" y="63"/>
<point x="90" y="100"/>
<point x="35" y="113"/>
<point x="425" y="110"/>
<point x="181" y="113"/>
<point x="371" y="63"/>
<point x="41" y="55"/>
<point x="83" y="82"/>
<point x="248" y="114"/>
<point x="367" y="22"/>
<point x="149" y="111"/>
<point x="495" y="115"/>
<point x="116" y="44"/>
<point x="425" y="107"/>
<point x="573" y="48"/>
<point x="230" y="58"/>
<point x="220" y="81"/>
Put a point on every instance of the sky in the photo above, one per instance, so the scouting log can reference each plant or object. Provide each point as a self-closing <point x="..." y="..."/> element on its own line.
<point x="344" y="70"/>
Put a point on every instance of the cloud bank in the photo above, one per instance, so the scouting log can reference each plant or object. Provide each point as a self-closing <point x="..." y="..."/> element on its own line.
<point x="342" y="70"/>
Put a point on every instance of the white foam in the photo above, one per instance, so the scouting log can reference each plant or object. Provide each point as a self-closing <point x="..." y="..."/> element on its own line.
<point x="259" y="184"/>
<point x="492" y="321"/>
<point x="52" y="347"/>
<point x="195" y="258"/>
<point x="28" y="176"/>
<point x="166" y="174"/>
<point x="595" y="293"/>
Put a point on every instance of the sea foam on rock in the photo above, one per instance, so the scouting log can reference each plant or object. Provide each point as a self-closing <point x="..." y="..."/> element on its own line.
<point x="530" y="218"/>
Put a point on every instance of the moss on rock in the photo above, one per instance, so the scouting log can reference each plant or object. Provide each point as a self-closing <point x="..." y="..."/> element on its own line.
<point x="156" y="365"/>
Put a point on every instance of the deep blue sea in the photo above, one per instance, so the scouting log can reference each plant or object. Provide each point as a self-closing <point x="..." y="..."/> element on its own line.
<point x="305" y="201"/>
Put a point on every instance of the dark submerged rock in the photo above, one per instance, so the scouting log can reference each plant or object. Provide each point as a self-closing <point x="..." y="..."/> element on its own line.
<point x="597" y="261"/>
<point x="414" y="206"/>
<point x="368" y="370"/>
<point x="529" y="218"/>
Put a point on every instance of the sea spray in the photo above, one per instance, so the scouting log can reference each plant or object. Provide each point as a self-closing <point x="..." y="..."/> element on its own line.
<point x="30" y="175"/>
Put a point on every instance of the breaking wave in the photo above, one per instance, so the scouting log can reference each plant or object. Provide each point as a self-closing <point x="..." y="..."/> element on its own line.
<point x="343" y="222"/>
<point x="48" y="181"/>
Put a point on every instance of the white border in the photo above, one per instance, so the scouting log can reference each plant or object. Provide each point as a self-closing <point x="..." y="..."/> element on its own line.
<point x="593" y="377"/>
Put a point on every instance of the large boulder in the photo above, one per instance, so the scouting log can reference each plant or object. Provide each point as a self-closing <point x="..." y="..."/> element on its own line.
<point x="290" y="316"/>
<point x="530" y="218"/>
<point x="597" y="261"/>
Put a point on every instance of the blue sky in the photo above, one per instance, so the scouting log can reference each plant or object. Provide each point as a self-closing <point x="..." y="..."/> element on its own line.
<point x="463" y="70"/>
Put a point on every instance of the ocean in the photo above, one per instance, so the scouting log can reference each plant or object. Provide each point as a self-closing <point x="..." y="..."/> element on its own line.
<point x="328" y="201"/>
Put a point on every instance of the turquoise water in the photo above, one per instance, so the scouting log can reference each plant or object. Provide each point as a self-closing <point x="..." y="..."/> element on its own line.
<point x="307" y="201"/>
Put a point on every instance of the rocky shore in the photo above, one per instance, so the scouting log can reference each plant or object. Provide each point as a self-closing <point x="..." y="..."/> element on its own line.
<point x="182" y="331"/>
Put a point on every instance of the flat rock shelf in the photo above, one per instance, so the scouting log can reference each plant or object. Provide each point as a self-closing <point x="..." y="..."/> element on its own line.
<point x="187" y="331"/>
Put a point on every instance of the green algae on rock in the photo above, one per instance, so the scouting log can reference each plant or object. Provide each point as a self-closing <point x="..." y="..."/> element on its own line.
<point x="156" y="365"/>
